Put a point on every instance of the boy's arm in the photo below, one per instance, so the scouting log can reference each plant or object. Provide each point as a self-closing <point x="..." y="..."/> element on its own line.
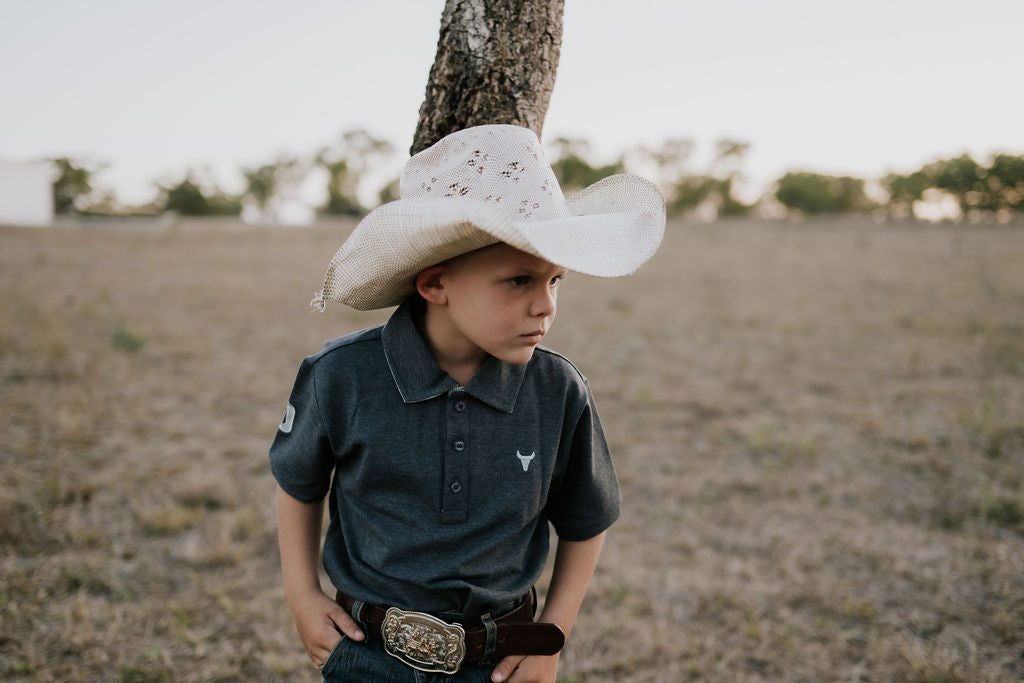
<point x="319" y="620"/>
<point x="574" y="565"/>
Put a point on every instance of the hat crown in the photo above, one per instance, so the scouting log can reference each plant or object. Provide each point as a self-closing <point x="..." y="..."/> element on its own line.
<point x="500" y="165"/>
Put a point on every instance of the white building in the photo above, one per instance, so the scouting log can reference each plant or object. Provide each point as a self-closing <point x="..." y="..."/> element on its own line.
<point x="26" y="193"/>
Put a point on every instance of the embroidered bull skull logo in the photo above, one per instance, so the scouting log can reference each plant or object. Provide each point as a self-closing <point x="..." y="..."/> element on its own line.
<point x="526" y="459"/>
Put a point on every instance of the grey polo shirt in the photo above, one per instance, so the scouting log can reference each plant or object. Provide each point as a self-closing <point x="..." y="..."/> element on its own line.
<point x="441" y="494"/>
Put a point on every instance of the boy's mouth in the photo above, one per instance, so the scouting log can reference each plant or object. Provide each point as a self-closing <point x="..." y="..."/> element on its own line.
<point x="534" y="336"/>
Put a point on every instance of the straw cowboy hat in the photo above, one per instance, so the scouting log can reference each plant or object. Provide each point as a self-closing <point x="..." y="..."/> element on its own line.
<point x="484" y="185"/>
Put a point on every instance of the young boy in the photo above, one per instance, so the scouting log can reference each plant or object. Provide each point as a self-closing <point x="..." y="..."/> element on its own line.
<point x="448" y="439"/>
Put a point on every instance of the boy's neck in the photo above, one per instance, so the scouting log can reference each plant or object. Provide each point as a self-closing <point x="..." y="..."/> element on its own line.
<point x="455" y="354"/>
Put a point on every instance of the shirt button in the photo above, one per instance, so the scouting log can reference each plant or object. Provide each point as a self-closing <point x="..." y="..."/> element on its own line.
<point x="456" y="486"/>
<point x="460" y="406"/>
<point x="459" y="445"/>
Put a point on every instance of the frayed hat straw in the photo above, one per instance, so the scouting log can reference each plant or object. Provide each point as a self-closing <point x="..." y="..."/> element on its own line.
<point x="484" y="185"/>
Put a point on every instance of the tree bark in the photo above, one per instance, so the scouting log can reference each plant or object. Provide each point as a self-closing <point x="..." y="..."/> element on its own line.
<point x="496" y="63"/>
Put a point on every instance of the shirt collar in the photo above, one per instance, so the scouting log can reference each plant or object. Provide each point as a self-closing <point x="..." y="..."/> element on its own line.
<point x="419" y="377"/>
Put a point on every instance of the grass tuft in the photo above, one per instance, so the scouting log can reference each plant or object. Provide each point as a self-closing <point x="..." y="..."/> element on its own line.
<point x="1004" y="512"/>
<point x="126" y="339"/>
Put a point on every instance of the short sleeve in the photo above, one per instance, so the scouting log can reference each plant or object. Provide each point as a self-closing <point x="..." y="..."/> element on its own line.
<point x="301" y="457"/>
<point x="587" y="500"/>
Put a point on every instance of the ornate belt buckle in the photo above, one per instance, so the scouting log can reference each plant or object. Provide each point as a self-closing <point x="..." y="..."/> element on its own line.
<point x="423" y="642"/>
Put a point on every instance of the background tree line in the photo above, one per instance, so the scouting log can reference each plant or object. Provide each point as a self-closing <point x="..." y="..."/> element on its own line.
<point x="979" y="189"/>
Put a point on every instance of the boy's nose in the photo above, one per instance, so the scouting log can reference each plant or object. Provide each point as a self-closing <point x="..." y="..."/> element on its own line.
<point x="544" y="303"/>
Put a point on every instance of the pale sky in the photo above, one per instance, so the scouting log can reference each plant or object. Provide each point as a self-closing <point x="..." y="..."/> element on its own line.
<point x="153" y="87"/>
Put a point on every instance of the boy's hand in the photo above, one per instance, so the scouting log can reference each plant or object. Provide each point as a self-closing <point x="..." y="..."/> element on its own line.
<point x="530" y="669"/>
<point x="320" y="622"/>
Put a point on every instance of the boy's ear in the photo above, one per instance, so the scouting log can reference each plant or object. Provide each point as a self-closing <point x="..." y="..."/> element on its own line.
<point x="430" y="286"/>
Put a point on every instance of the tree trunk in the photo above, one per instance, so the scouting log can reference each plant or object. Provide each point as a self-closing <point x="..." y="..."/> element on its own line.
<point x="496" y="62"/>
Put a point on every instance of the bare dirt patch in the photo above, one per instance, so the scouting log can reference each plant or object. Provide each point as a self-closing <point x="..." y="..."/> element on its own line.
<point x="819" y="430"/>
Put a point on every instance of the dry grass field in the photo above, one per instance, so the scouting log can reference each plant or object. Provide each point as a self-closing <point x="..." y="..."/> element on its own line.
<point x="818" y="427"/>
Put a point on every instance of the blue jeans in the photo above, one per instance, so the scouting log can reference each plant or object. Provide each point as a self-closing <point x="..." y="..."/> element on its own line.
<point x="367" y="662"/>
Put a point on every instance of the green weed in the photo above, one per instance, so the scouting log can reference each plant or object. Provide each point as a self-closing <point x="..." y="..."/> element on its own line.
<point x="126" y="339"/>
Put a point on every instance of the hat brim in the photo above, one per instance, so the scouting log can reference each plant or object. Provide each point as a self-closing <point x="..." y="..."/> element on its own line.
<point x="614" y="226"/>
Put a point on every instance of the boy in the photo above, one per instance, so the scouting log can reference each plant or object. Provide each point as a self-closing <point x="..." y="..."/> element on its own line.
<point x="453" y="437"/>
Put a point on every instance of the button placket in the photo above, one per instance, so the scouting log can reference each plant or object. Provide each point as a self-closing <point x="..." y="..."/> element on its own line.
<point x="456" y="460"/>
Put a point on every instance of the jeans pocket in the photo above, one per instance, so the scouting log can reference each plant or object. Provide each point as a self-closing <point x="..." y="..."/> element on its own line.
<point x="335" y="654"/>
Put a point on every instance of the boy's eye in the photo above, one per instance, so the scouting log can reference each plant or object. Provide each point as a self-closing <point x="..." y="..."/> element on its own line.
<point x="520" y="280"/>
<point x="555" y="280"/>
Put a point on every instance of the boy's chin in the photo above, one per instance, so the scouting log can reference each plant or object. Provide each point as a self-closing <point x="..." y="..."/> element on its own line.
<point x="517" y="357"/>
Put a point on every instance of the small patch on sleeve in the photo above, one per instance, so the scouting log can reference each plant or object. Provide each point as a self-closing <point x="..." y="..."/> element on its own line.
<point x="289" y="419"/>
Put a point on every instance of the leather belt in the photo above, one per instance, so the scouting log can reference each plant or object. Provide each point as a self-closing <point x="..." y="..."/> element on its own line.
<point x="430" y="644"/>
